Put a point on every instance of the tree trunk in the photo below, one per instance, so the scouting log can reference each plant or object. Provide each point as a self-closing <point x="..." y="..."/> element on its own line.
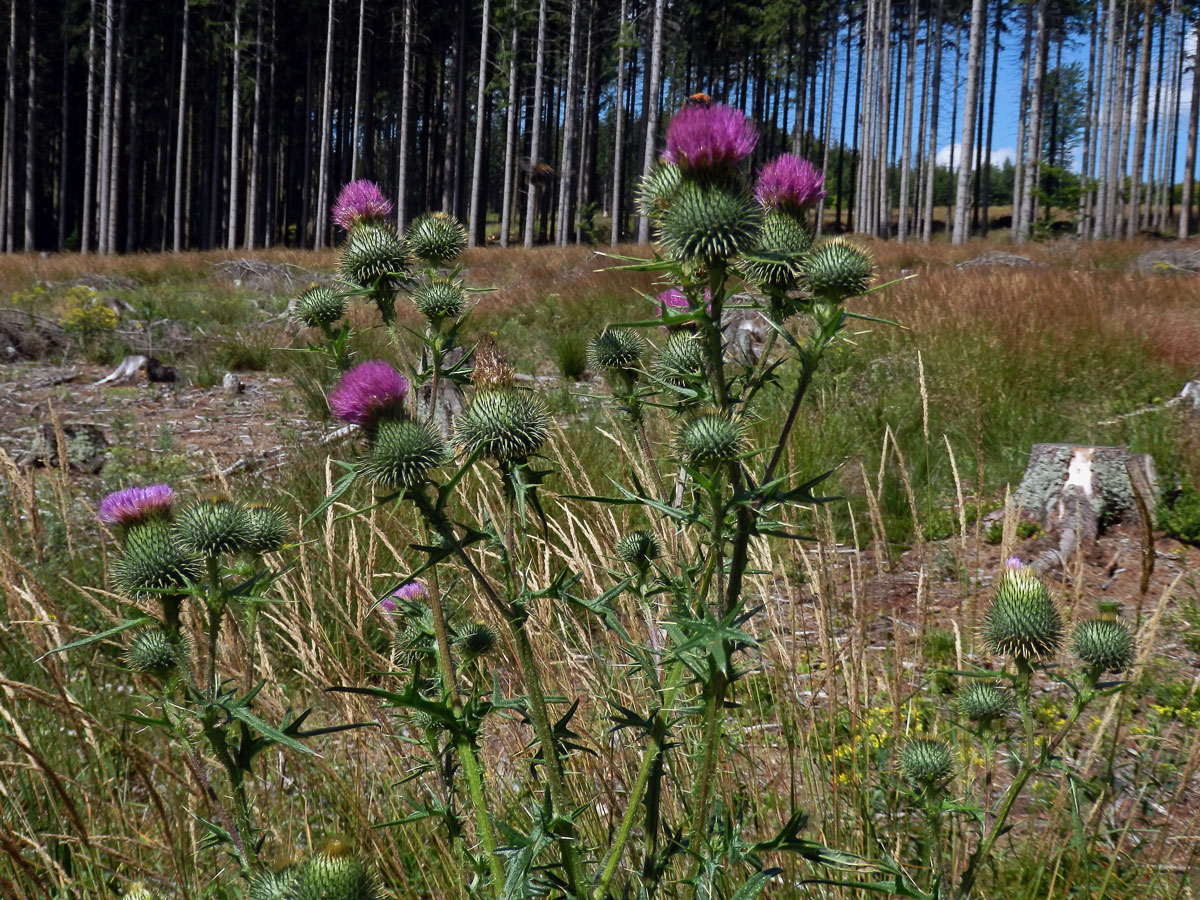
<point x="177" y="226"/>
<point x="616" y="207"/>
<point x="406" y="66"/>
<point x="1022" y="127"/>
<point x="105" y="133"/>
<point x="358" y="89"/>
<point x="1133" y="222"/>
<point x="566" y="163"/>
<point x="255" y="132"/>
<point x="64" y="142"/>
<point x="655" y="76"/>
<point x="512" y="114"/>
<point x="910" y="71"/>
<point x="1189" y="156"/>
<point x="476" y="231"/>
<point x="235" y="80"/>
<point x="535" y="128"/>
<point x="991" y="117"/>
<point x="114" y="179"/>
<point x="89" y="155"/>
<point x="322" y="211"/>
<point x="1035" y="123"/>
<point x="30" y="133"/>
<point x="934" y="111"/>
<point x="962" y="196"/>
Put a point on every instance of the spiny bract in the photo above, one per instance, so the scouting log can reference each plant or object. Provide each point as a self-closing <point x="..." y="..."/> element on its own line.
<point x="657" y="188"/>
<point x="707" y="221"/>
<point x="372" y="249"/>
<point x="153" y="562"/>
<point x="710" y="438"/>
<point x="436" y="238"/>
<point x="837" y="269"/>
<point x="505" y="423"/>
<point x="139" y="891"/>
<point x="403" y="453"/>
<point x="335" y="877"/>
<point x="615" y="348"/>
<point x="983" y="701"/>
<point x="439" y="299"/>
<point x="212" y="527"/>
<point x="1103" y="645"/>
<point x="1023" y="621"/>
<point x="681" y="360"/>
<point x="151" y="651"/>
<point x="638" y="547"/>
<point x="926" y="763"/>
<point x="319" y="306"/>
<point x="269" y="528"/>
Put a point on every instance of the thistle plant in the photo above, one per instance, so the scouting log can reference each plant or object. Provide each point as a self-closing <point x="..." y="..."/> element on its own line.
<point x="1023" y="629"/>
<point x="181" y="575"/>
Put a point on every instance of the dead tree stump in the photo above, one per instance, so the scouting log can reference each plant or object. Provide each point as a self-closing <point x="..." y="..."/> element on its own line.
<point x="1077" y="490"/>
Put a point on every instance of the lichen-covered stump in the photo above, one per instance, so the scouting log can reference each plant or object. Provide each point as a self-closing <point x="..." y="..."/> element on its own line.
<point x="1076" y="490"/>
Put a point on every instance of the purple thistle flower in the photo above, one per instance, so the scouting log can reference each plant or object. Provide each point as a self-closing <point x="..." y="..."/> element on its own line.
<point x="789" y="181"/>
<point x="367" y="391"/>
<point x="1013" y="563"/>
<point x="360" y="201"/>
<point x="410" y="590"/>
<point x="674" y="300"/>
<point x="706" y="137"/>
<point x="136" y="504"/>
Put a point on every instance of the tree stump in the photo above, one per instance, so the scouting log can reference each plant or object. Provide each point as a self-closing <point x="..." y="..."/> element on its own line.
<point x="1077" y="490"/>
<point x="86" y="448"/>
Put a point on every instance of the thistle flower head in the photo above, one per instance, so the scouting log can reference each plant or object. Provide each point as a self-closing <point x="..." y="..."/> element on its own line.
<point x="1104" y="645"/>
<point x="403" y="453"/>
<point x="491" y="370"/>
<point x="789" y="182"/>
<point x="436" y="238"/>
<point x="926" y="763"/>
<point x="409" y="592"/>
<point x="273" y="885"/>
<point x="139" y="891"/>
<point x="1022" y="621"/>
<point x="837" y="269"/>
<point x="368" y="392"/>
<point x="153" y="563"/>
<point x="360" y="201"/>
<point x="710" y="439"/>
<point x="439" y="299"/>
<point x="639" y="548"/>
<point x="657" y="187"/>
<point x="151" y="651"/>
<point x="476" y="639"/>
<point x="135" y="505"/>
<point x="335" y="874"/>
<point x="373" y="250"/>
<point x="213" y="527"/>
<point x="269" y="528"/>
<point x="674" y="300"/>
<point x="504" y="423"/>
<point x="319" y="306"/>
<point x="681" y="360"/>
<point x="709" y="220"/>
<point x="984" y="701"/>
<point x="709" y="137"/>
<point x="782" y="243"/>
<point x="616" y="348"/>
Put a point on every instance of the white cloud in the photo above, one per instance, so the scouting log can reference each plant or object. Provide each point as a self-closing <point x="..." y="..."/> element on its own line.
<point x="999" y="155"/>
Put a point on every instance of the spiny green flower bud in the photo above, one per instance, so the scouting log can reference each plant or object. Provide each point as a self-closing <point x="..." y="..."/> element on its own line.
<point x="151" y="652"/>
<point x="837" y="269"/>
<point x="1103" y="645"/>
<point x="616" y="348"/>
<point x="439" y="299"/>
<point x="403" y="453"/>
<point x="681" y="361"/>
<point x="213" y="527"/>
<point x="710" y="438"/>
<point x="273" y="885"/>
<point x="269" y="528"/>
<point x="476" y="639"/>
<point x="436" y="238"/>
<point x="139" y="891"/>
<point x="984" y="701"/>
<point x="1023" y="621"/>
<point x="372" y="249"/>
<point x="785" y="238"/>
<point x="319" y="306"/>
<point x="926" y="763"/>
<point x="153" y="562"/>
<point x="657" y="188"/>
<point x="411" y="646"/>
<point x="505" y="423"/>
<point x="335" y="874"/>
<point x="710" y="220"/>
<point x="638" y="548"/>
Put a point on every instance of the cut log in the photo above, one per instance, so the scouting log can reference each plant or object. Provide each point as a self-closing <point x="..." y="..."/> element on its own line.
<point x="1076" y="490"/>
